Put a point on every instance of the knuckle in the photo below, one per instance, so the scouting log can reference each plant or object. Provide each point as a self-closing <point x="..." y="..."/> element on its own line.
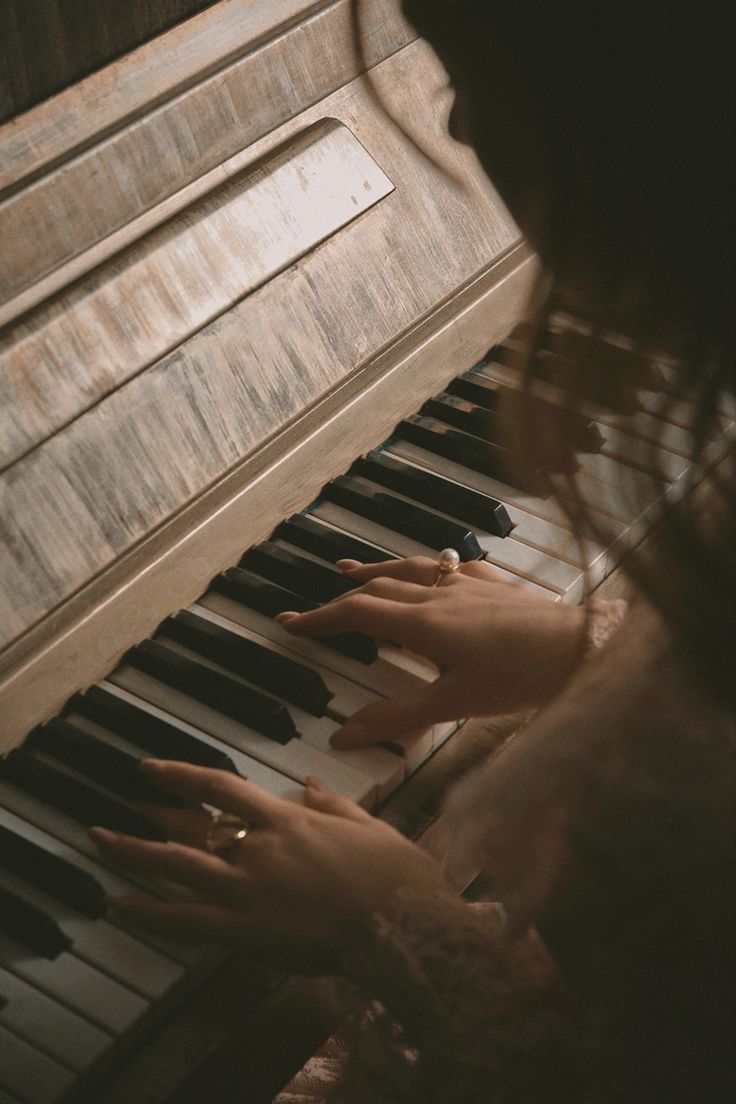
<point x="374" y="586"/>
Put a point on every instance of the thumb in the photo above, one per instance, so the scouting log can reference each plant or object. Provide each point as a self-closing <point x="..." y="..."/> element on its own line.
<point x="396" y="717"/>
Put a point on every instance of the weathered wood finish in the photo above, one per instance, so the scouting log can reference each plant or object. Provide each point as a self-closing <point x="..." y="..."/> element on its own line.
<point x="112" y="472"/>
<point x="83" y="639"/>
<point x="145" y="131"/>
<point x="181" y="276"/>
<point x="47" y="44"/>
<point x="155" y="417"/>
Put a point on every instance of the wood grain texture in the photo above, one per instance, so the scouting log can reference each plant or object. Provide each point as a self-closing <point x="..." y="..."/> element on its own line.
<point x="82" y="640"/>
<point x="48" y="44"/>
<point x="110" y="477"/>
<point x="149" y="138"/>
<point x="181" y="276"/>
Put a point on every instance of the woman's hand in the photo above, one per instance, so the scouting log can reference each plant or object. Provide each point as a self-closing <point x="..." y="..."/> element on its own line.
<point x="299" y="889"/>
<point x="498" y="647"/>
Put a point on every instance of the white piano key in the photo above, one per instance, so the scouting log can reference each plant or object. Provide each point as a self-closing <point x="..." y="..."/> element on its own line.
<point x="529" y="528"/>
<point x="656" y="422"/>
<point x="628" y="449"/>
<point x="297" y="759"/>
<point x="394" y="681"/>
<point x="113" y="884"/>
<point x="386" y="770"/>
<point x="318" y="731"/>
<point x="650" y="428"/>
<point x="347" y="697"/>
<point x="610" y="465"/>
<point x="616" y="471"/>
<point x="546" y="509"/>
<point x="404" y="546"/>
<point x="675" y="412"/>
<point x="31" y="1075"/>
<point x="80" y="987"/>
<point x="50" y="820"/>
<point x="520" y="559"/>
<point x="564" y="578"/>
<point x="273" y="781"/>
<point x="103" y="946"/>
<point x="530" y="564"/>
<point x="48" y="1025"/>
<point x="394" y="672"/>
<point x="63" y="829"/>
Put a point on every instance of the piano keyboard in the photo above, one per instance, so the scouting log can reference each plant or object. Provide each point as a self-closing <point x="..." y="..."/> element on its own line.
<point x="222" y="684"/>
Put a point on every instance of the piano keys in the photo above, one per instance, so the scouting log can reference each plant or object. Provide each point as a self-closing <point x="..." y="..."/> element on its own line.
<point x="219" y="315"/>
<point x="52" y="892"/>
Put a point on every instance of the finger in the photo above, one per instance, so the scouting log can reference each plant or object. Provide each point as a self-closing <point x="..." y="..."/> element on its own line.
<point x="396" y="717"/>
<point x="317" y="796"/>
<point x="359" y="612"/>
<point x="396" y="590"/>
<point x="413" y="569"/>
<point x="215" y="787"/>
<point x="180" y="825"/>
<point x="416" y="569"/>
<point x="480" y="569"/>
<point x="182" y="921"/>
<point x="197" y="870"/>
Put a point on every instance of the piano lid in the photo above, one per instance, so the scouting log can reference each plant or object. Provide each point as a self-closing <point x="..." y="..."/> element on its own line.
<point x="172" y="322"/>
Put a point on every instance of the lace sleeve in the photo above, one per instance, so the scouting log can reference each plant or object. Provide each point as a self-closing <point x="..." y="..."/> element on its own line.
<point x="604" y="618"/>
<point x="460" y="1013"/>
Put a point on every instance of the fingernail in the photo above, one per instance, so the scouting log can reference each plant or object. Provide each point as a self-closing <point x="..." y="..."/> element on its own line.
<point x="348" y="565"/>
<point x="103" y="835"/>
<point x="316" y="784"/>
<point x="348" y="737"/>
<point x="287" y="615"/>
<point x="152" y="766"/>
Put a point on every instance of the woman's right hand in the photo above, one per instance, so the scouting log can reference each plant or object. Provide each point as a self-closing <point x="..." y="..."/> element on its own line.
<point x="498" y="647"/>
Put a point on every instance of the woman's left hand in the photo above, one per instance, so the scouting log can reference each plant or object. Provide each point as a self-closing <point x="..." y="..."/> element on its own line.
<point x="299" y="889"/>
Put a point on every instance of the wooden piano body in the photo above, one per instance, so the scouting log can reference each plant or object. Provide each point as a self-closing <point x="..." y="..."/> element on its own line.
<point x="230" y="265"/>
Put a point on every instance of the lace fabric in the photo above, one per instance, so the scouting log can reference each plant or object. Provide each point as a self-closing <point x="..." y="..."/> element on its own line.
<point x="574" y="820"/>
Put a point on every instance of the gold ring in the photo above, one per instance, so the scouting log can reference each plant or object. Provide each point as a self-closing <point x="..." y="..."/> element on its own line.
<point x="448" y="562"/>
<point x="224" y="832"/>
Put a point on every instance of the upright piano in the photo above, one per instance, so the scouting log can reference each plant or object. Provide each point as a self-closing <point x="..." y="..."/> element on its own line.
<point x="247" y="295"/>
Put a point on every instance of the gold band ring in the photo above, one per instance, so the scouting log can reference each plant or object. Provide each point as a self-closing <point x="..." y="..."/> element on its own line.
<point x="224" y="832"/>
<point x="448" y="562"/>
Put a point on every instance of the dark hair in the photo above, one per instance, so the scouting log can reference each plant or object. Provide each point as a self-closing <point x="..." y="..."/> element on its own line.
<point x="630" y="104"/>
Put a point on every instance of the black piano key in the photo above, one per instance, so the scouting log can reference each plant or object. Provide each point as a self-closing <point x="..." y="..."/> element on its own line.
<point x="102" y="763"/>
<point x="3" y="1002"/>
<point x="584" y="434"/>
<point x="329" y="544"/>
<point x="463" y="414"/>
<point x="73" y="796"/>
<point x="316" y="582"/>
<point x="403" y="517"/>
<point x="258" y="594"/>
<point x="214" y="688"/>
<point x="162" y="739"/>
<point x="477" y="389"/>
<point x="268" y="599"/>
<point x="471" y="506"/>
<point x="55" y="876"/>
<point x="472" y="452"/>
<point x="30" y="926"/>
<point x="277" y="673"/>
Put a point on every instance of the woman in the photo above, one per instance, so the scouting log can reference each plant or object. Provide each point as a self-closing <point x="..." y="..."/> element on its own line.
<point x="605" y="826"/>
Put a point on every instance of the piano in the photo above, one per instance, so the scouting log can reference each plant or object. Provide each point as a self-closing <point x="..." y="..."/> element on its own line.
<point x="247" y="299"/>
